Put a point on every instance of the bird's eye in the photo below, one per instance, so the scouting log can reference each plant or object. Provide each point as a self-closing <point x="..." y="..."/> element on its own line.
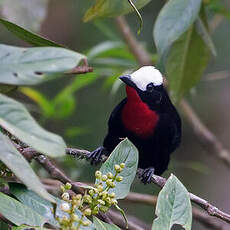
<point x="150" y="87"/>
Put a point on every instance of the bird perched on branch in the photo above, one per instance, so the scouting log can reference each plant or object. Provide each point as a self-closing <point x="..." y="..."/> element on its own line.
<point x="149" y="120"/>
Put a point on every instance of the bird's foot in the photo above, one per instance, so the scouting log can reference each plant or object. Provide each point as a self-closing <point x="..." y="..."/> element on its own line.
<point x="147" y="175"/>
<point x="95" y="157"/>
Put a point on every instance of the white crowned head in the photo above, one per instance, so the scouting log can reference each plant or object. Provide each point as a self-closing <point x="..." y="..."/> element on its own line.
<point x="145" y="75"/>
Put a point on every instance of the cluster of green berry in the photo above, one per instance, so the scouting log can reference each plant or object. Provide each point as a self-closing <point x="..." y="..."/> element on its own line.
<point x="96" y="199"/>
<point x="5" y="171"/>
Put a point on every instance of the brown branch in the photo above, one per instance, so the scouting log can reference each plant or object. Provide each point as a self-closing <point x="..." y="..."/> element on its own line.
<point x="85" y="68"/>
<point x="205" y="136"/>
<point x="56" y="173"/>
<point x="135" y="47"/>
<point x="133" y="222"/>
<point x="199" y="215"/>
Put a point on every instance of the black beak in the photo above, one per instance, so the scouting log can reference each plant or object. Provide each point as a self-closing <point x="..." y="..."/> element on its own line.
<point x="127" y="80"/>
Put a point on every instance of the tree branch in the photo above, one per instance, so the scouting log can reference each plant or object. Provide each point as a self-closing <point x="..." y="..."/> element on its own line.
<point x="200" y="216"/>
<point x="56" y="173"/>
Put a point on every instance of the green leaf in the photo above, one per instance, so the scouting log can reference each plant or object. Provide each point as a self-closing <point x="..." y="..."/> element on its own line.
<point x="100" y="225"/>
<point x="125" y="152"/>
<point x="112" y="8"/>
<point x="28" y="66"/>
<point x="15" y="118"/>
<point x="24" y="14"/>
<point x="35" y="202"/>
<point x="186" y="63"/>
<point x="45" y="105"/>
<point x="27" y="36"/>
<point x="20" y="167"/>
<point x="203" y="32"/>
<point x="65" y="102"/>
<point x="4" y="226"/>
<point x="173" y="206"/>
<point x="18" y="213"/>
<point x="173" y="20"/>
<point x="41" y="206"/>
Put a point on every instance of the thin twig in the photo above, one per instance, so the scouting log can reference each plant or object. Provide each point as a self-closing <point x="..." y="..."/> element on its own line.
<point x="199" y="215"/>
<point x="85" y="68"/>
<point x="56" y="173"/>
<point x="206" y="137"/>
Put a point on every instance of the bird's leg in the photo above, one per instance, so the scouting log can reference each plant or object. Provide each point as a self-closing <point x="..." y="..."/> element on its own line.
<point x="96" y="156"/>
<point x="146" y="175"/>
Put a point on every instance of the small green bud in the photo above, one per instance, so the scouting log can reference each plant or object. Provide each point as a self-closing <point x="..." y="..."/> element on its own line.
<point x="87" y="212"/>
<point x="110" y="175"/>
<point x="65" y="196"/>
<point x="87" y="199"/>
<point x="75" y="218"/>
<point x="111" y="184"/>
<point x="91" y="192"/>
<point x="108" y="200"/>
<point x="98" y="174"/>
<point x="119" y="178"/>
<point x="62" y="188"/>
<point x="122" y="165"/>
<point x="104" y="208"/>
<point x="64" y="220"/>
<point x="76" y="202"/>
<point x="114" y="202"/>
<point x="86" y="223"/>
<point x="68" y="186"/>
<point x="95" y="210"/>
<point x="78" y="197"/>
<point x="100" y="188"/>
<point x="101" y="202"/>
<point x="103" y="194"/>
<point x="112" y="195"/>
<point x="104" y="178"/>
<point x="118" y="168"/>
<point x="65" y="207"/>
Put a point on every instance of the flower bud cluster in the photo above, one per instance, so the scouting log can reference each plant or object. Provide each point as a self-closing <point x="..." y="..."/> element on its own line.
<point x="96" y="199"/>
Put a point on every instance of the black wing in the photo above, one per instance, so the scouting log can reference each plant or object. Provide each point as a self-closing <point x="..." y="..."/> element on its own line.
<point x="171" y="127"/>
<point x="115" y="127"/>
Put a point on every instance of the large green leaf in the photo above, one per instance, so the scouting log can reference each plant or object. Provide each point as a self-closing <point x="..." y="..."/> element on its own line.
<point x="173" y="20"/>
<point x="126" y="153"/>
<point x="23" y="13"/>
<point x="35" y="202"/>
<point x="112" y="8"/>
<point x="18" y="213"/>
<point x="41" y="206"/>
<point x="26" y="35"/>
<point x="100" y="225"/>
<point x="20" y="167"/>
<point x="173" y="206"/>
<point x="186" y="62"/>
<point x="15" y="118"/>
<point x="28" y="66"/>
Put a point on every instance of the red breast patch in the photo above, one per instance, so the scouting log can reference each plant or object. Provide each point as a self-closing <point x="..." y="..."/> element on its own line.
<point x="137" y="117"/>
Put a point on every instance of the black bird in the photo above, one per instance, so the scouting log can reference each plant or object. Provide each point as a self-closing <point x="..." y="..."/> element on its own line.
<point x="149" y="120"/>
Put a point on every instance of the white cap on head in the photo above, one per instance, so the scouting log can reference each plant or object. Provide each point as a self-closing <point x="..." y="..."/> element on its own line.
<point x="145" y="75"/>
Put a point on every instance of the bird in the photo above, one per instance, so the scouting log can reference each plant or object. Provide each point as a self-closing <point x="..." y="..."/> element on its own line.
<point x="148" y="118"/>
